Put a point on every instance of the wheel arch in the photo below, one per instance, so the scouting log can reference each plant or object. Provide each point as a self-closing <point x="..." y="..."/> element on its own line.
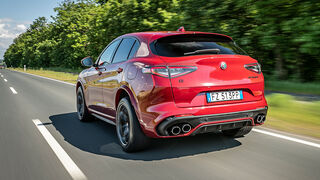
<point x="85" y="94"/>
<point x="125" y="91"/>
<point x="79" y="84"/>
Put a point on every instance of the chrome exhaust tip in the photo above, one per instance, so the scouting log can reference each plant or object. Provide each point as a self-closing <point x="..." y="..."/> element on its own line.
<point x="175" y="130"/>
<point x="260" y="119"/>
<point x="186" y="128"/>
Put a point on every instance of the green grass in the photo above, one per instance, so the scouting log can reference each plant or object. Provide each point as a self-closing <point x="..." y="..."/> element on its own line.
<point x="299" y="117"/>
<point x="63" y="76"/>
<point x="293" y="87"/>
<point x="67" y="70"/>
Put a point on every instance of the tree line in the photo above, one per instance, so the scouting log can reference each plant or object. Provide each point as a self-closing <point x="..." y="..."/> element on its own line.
<point x="283" y="35"/>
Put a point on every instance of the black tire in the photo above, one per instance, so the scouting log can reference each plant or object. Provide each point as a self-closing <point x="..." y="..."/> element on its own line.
<point x="82" y="110"/>
<point x="239" y="132"/>
<point x="129" y="133"/>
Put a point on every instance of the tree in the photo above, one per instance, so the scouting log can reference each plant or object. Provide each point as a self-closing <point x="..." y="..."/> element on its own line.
<point x="282" y="34"/>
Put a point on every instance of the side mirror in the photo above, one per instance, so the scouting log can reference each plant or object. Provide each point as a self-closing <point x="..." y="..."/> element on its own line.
<point x="87" y="62"/>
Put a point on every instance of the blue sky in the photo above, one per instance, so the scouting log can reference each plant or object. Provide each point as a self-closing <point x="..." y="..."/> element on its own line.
<point x="17" y="15"/>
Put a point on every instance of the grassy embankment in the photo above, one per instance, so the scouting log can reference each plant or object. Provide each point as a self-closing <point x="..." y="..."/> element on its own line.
<point x="68" y="75"/>
<point x="293" y="87"/>
<point x="285" y="113"/>
<point x="299" y="117"/>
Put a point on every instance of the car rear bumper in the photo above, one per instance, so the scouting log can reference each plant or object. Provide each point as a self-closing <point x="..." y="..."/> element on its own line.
<point x="156" y="120"/>
<point x="212" y="122"/>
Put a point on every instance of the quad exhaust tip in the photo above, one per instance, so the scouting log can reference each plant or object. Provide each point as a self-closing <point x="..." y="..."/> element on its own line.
<point x="175" y="130"/>
<point x="186" y="128"/>
<point x="180" y="129"/>
<point x="260" y="119"/>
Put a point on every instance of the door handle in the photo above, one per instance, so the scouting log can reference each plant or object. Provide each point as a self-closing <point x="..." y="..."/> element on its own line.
<point x="119" y="70"/>
<point x="100" y="69"/>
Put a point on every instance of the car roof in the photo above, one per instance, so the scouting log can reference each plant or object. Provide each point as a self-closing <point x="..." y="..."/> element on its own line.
<point x="153" y="35"/>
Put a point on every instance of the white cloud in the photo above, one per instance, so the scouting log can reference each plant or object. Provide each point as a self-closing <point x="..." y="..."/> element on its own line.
<point x="5" y="32"/>
<point x="21" y="27"/>
<point x="5" y="20"/>
<point x="9" y="29"/>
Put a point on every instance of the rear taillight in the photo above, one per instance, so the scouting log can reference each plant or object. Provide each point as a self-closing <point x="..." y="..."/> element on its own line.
<point x="170" y="71"/>
<point x="180" y="71"/>
<point x="255" y="67"/>
<point x="160" y="71"/>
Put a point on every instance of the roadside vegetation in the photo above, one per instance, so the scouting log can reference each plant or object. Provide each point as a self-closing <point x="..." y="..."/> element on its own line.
<point x="312" y="88"/>
<point x="67" y="76"/>
<point x="282" y="35"/>
<point x="299" y="117"/>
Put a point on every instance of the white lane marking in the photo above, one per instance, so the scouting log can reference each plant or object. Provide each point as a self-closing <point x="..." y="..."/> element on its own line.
<point x="46" y="78"/>
<point x="1" y="75"/>
<point x="5" y="80"/>
<point x="287" y="138"/>
<point x="64" y="158"/>
<point x="13" y="90"/>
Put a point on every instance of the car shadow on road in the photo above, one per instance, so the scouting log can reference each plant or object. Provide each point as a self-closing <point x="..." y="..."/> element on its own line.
<point x="100" y="138"/>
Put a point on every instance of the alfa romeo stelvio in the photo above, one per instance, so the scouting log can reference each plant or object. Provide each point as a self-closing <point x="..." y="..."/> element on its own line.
<point x="172" y="84"/>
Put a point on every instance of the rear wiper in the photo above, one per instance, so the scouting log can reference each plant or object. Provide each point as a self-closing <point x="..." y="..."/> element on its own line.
<point x="201" y="51"/>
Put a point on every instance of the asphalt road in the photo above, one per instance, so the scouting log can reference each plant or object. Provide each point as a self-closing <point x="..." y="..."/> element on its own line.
<point x="92" y="147"/>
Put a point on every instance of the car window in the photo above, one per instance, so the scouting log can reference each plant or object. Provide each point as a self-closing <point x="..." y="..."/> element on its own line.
<point x="134" y="49"/>
<point x="186" y="45"/>
<point x="123" y="50"/>
<point x="106" y="56"/>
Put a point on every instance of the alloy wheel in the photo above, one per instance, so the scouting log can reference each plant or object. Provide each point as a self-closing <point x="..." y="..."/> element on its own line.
<point x="80" y="105"/>
<point x="123" y="126"/>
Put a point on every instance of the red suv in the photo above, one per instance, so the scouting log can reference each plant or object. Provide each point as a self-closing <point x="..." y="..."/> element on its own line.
<point x="172" y="84"/>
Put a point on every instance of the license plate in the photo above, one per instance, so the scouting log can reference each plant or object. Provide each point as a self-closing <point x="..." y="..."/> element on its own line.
<point x="224" y="96"/>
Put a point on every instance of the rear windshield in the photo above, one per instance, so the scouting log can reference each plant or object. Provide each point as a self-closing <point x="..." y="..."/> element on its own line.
<point x="194" y="44"/>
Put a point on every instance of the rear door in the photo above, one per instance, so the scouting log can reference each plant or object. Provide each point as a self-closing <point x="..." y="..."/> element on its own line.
<point x="112" y="76"/>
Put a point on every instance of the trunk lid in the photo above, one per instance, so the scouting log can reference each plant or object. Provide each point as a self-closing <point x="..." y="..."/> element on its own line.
<point x="190" y="90"/>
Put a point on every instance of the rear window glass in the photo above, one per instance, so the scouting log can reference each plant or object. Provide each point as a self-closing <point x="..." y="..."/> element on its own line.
<point x="194" y="44"/>
<point x="134" y="49"/>
<point x="123" y="50"/>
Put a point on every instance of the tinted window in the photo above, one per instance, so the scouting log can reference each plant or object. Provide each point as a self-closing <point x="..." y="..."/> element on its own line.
<point x="107" y="54"/>
<point x="188" y="45"/>
<point x="123" y="50"/>
<point x="134" y="49"/>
